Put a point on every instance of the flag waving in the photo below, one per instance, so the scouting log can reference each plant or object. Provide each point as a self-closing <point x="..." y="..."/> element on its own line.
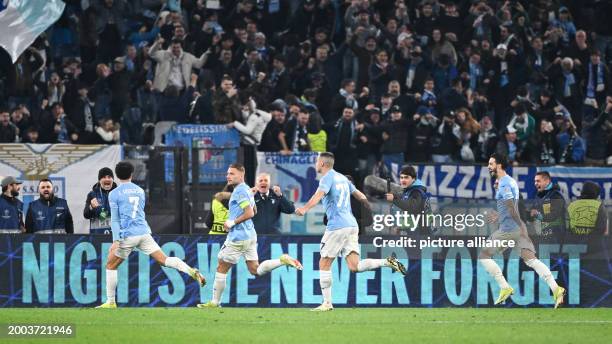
<point x="21" y="21"/>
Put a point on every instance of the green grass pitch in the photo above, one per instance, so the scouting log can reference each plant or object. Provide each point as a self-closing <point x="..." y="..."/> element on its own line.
<point x="343" y="325"/>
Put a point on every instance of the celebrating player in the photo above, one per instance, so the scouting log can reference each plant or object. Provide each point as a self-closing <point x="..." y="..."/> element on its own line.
<point x="242" y="238"/>
<point x="131" y="231"/>
<point x="341" y="234"/>
<point x="512" y="228"/>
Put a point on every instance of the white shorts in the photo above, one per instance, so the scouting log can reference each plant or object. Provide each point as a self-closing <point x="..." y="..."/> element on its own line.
<point x="340" y="242"/>
<point x="231" y="251"/>
<point x="520" y="241"/>
<point x="144" y="243"/>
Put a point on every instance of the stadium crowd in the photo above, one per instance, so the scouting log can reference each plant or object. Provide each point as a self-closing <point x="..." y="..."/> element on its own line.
<point x="370" y="80"/>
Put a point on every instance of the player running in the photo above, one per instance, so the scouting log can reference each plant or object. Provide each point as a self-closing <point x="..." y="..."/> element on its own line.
<point x="341" y="234"/>
<point x="131" y="231"/>
<point x="242" y="238"/>
<point x="512" y="228"/>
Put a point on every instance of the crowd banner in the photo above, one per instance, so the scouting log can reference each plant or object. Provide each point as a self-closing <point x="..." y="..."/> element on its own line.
<point x="217" y="148"/>
<point x="68" y="271"/>
<point x="474" y="181"/>
<point x="73" y="170"/>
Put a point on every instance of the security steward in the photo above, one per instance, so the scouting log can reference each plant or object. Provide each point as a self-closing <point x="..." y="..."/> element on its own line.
<point x="48" y="214"/>
<point x="11" y="208"/>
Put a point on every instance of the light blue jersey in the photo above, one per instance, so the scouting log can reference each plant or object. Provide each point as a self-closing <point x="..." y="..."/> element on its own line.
<point x="127" y="204"/>
<point x="241" y="199"/>
<point x="337" y="200"/>
<point x="507" y="190"/>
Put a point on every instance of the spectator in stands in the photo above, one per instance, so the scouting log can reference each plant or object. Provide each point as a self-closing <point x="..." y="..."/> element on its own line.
<point x="97" y="207"/>
<point x="343" y="140"/>
<point x="11" y="207"/>
<point x="571" y="145"/>
<point x="226" y="104"/>
<point x="566" y="83"/>
<point x="595" y="131"/>
<point x="48" y="214"/>
<point x="82" y="115"/>
<point x="8" y="130"/>
<point x="542" y="147"/>
<point x="22" y="120"/>
<point x="270" y="204"/>
<point x="508" y="146"/>
<point x="106" y="133"/>
<point x="174" y="65"/>
<point x="487" y="140"/>
<point x="294" y="136"/>
<point x="447" y="140"/>
<point x="470" y="129"/>
<point x="395" y="139"/>
<point x="269" y="139"/>
<point x="345" y="97"/>
<point x="422" y="136"/>
<point x="597" y="79"/>
<point x="65" y="131"/>
<point x="523" y="123"/>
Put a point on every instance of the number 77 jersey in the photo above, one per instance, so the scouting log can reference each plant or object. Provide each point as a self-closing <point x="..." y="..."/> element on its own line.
<point x="337" y="200"/>
<point x="127" y="203"/>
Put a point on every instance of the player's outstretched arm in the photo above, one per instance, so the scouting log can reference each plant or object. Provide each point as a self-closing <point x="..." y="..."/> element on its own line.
<point x="314" y="200"/>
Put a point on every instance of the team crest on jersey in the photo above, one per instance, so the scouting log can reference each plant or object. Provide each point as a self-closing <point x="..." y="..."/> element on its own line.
<point x="39" y="216"/>
<point x="7" y="214"/>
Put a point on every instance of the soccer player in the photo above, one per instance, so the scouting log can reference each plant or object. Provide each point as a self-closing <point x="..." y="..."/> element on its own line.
<point x="512" y="228"/>
<point x="242" y="239"/>
<point x="131" y="231"/>
<point x="341" y="234"/>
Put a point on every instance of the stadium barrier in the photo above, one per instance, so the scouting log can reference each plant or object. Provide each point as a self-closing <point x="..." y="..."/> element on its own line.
<point x="65" y="271"/>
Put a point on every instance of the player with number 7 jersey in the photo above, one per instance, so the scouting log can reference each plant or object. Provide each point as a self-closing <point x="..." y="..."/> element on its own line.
<point x="131" y="231"/>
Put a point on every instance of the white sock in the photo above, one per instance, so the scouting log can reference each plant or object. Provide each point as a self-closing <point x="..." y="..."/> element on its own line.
<point x="371" y="264"/>
<point x="325" y="280"/>
<point x="218" y="287"/>
<point x="177" y="263"/>
<point x="267" y="266"/>
<point x="111" y="285"/>
<point x="493" y="269"/>
<point x="544" y="272"/>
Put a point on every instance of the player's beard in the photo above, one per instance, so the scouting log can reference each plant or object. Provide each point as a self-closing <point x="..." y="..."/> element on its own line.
<point x="493" y="174"/>
<point x="46" y="197"/>
<point x="14" y="193"/>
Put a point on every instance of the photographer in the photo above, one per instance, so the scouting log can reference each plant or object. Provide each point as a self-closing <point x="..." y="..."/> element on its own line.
<point x="413" y="199"/>
<point x="548" y="209"/>
<point x="97" y="207"/>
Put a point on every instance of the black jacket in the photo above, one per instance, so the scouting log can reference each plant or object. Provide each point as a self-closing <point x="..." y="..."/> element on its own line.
<point x="49" y="215"/>
<point x="269" y="209"/>
<point x="98" y="224"/>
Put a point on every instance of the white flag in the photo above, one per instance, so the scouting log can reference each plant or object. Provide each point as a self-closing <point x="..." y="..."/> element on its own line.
<point x="21" y="21"/>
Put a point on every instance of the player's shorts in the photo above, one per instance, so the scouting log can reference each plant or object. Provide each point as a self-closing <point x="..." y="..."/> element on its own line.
<point x="340" y="242"/>
<point x="231" y="251"/>
<point x="520" y="241"/>
<point x="144" y="243"/>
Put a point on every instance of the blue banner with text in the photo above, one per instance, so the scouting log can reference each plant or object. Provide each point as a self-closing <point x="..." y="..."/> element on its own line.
<point x="68" y="271"/>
